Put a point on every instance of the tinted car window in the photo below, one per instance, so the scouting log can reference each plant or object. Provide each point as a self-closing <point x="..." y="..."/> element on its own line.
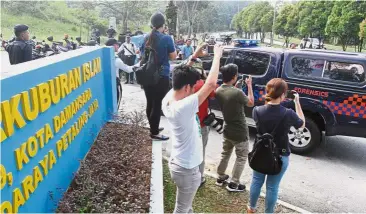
<point x="341" y="71"/>
<point x="307" y="67"/>
<point x="252" y="63"/>
<point x="327" y="70"/>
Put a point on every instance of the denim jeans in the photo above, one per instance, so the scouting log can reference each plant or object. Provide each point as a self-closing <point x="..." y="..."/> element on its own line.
<point x="272" y="185"/>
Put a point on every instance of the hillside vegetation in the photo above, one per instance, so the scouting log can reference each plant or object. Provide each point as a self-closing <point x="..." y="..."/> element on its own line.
<point x="45" y="19"/>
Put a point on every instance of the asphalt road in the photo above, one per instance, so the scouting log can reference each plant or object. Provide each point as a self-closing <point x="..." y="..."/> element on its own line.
<point x="331" y="179"/>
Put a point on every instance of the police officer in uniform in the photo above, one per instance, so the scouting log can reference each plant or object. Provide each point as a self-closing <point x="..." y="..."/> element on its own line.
<point x="20" y="50"/>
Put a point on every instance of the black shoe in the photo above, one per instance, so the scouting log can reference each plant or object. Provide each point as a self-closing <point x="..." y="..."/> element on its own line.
<point x="203" y="181"/>
<point x="127" y="82"/>
<point x="233" y="187"/>
<point x="132" y="82"/>
<point x="222" y="180"/>
<point x="159" y="137"/>
<point x="160" y="129"/>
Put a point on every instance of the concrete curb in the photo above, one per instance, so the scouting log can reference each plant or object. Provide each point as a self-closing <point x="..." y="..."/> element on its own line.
<point x="285" y="204"/>
<point x="157" y="186"/>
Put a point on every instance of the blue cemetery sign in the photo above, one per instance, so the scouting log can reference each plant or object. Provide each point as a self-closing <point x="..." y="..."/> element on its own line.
<point x="51" y="112"/>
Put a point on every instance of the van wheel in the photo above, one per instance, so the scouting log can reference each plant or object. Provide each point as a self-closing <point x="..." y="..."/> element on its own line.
<point x="304" y="140"/>
<point x="301" y="46"/>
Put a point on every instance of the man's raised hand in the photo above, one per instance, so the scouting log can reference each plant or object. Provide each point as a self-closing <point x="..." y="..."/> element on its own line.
<point x="218" y="50"/>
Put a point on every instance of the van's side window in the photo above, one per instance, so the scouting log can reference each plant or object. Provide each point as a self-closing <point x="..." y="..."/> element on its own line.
<point x="312" y="68"/>
<point x="327" y="70"/>
<point x="344" y="72"/>
<point x="252" y="63"/>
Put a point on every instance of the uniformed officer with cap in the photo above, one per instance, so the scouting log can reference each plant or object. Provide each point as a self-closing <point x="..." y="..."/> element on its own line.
<point x="20" y="50"/>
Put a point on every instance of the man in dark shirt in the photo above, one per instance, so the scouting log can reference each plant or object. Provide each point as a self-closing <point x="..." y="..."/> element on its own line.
<point x="232" y="101"/>
<point x="20" y="50"/>
<point x="111" y="32"/>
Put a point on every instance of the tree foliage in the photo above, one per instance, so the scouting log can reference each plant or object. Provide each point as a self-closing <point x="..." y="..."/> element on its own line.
<point x="256" y="18"/>
<point x="344" y="22"/>
<point x="332" y="19"/>
<point x="313" y="16"/>
<point x="287" y="22"/>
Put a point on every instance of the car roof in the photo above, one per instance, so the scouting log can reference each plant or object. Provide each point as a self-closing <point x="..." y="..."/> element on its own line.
<point x="302" y="51"/>
<point x="336" y="54"/>
<point x="258" y="48"/>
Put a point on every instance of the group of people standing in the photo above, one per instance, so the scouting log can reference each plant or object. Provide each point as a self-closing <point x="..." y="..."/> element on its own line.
<point x="186" y="107"/>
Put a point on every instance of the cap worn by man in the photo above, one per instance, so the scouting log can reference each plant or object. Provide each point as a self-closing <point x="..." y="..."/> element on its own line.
<point x="19" y="50"/>
<point x="19" y="29"/>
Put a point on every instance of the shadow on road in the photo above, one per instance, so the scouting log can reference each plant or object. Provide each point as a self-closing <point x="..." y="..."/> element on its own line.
<point x="348" y="150"/>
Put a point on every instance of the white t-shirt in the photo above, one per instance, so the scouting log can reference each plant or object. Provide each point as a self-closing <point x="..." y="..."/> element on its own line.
<point x="187" y="149"/>
<point x="121" y="65"/>
<point x="130" y="47"/>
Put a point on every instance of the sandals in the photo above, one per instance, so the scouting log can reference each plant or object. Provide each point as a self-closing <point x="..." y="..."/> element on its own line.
<point x="159" y="137"/>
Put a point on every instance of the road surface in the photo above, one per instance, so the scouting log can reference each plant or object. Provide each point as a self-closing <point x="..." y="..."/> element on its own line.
<point x="331" y="179"/>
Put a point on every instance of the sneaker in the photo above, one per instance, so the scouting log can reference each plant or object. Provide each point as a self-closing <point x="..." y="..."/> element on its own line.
<point x="222" y="180"/>
<point x="159" y="137"/>
<point x="233" y="187"/>
<point x="203" y="181"/>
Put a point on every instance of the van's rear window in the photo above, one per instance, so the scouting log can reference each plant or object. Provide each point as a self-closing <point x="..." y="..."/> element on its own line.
<point x="328" y="70"/>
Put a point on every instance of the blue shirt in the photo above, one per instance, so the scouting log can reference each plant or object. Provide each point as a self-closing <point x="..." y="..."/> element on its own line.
<point x="187" y="51"/>
<point x="165" y="46"/>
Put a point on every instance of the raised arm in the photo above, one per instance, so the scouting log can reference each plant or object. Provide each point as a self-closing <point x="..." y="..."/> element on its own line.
<point x="211" y="80"/>
<point x="248" y="81"/>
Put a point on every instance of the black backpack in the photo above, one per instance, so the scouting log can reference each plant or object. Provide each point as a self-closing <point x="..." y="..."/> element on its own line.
<point x="149" y="73"/>
<point x="265" y="157"/>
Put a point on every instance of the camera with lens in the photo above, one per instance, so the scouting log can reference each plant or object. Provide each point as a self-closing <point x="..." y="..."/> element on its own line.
<point x="211" y="120"/>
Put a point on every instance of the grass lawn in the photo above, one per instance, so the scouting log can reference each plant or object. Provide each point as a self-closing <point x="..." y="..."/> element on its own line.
<point x="328" y="46"/>
<point x="40" y="28"/>
<point x="212" y="199"/>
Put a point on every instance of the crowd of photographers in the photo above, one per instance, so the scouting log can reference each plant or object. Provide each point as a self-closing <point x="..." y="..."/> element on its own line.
<point x="186" y="108"/>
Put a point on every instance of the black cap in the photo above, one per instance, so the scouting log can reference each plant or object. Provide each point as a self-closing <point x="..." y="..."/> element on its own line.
<point x="20" y="28"/>
<point x="157" y="20"/>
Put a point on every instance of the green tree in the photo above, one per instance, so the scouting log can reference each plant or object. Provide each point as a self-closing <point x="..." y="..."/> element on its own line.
<point x="287" y="22"/>
<point x="344" y="22"/>
<point x="313" y="17"/>
<point x="253" y="19"/>
<point x="362" y="34"/>
<point x="171" y="16"/>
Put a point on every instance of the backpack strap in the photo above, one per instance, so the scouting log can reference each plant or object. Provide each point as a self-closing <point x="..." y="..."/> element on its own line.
<point x="128" y="49"/>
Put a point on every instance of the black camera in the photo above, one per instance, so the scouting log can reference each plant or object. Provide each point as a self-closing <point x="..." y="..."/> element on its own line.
<point x="211" y="120"/>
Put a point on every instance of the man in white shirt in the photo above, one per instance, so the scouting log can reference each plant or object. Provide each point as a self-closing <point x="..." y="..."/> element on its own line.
<point x="129" y="52"/>
<point x="180" y="107"/>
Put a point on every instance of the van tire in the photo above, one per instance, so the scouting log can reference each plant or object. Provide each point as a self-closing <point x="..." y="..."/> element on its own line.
<point x="315" y="134"/>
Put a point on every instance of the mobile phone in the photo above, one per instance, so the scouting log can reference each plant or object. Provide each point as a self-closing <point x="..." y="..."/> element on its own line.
<point x="291" y="94"/>
<point x="210" y="49"/>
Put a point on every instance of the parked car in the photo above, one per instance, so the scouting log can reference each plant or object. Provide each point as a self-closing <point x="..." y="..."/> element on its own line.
<point x="311" y="43"/>
<point x="332" y="88"/>
<point x="219" y="41"/>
